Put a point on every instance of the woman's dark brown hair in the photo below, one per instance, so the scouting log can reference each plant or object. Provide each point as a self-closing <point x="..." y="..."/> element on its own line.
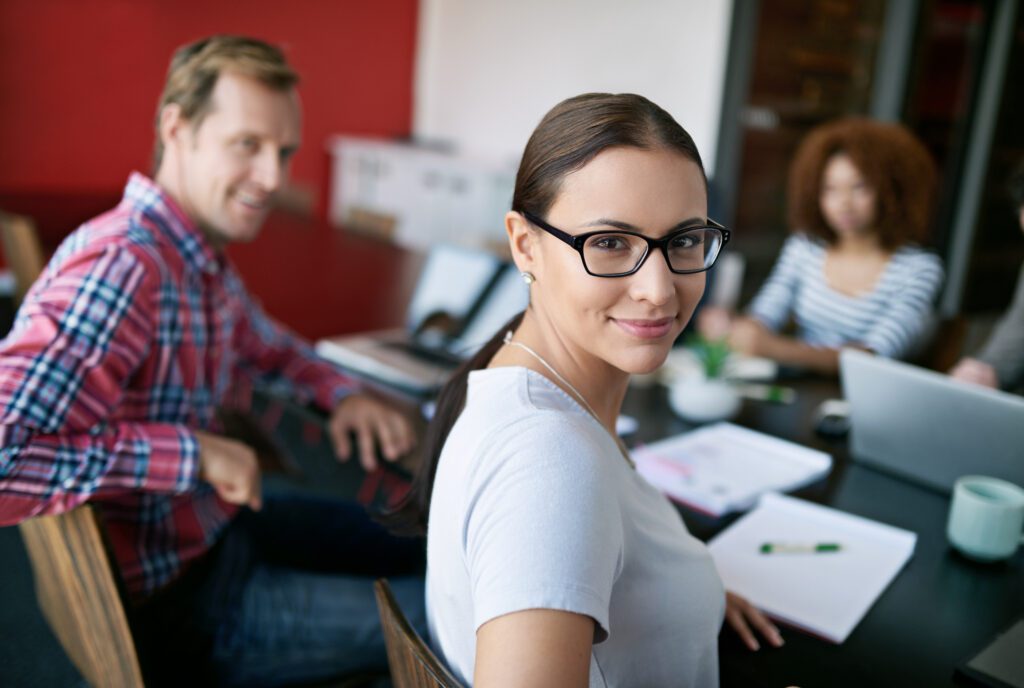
<point x="572" y="134"/>
<point x="893" y="162"/>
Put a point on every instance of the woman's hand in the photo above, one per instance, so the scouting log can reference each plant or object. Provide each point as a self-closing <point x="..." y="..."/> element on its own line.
<point x="743" y="616"/>
<point x="714" y="322"/>
<point x="750" y="337"/>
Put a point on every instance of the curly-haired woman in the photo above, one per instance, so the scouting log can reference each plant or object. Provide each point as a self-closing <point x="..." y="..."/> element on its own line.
<point x="853" y="273"/>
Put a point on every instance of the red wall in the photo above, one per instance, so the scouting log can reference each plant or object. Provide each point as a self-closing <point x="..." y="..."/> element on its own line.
<point x="79" y="82"/>
<point x="79" y="79"/>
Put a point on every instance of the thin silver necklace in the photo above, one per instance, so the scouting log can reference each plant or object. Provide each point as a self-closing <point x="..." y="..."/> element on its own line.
<point x="551" y="369"/>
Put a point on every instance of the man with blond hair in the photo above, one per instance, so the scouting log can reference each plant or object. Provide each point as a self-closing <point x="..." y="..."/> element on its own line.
<point x="118" y="361"/>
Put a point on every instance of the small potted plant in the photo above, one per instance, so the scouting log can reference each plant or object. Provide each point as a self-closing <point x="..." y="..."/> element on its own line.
<point x="707" y="396"/>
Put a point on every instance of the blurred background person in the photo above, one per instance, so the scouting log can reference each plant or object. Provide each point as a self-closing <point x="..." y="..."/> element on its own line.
<point x="1001" y="362"/>
<point x="854" y="272"/>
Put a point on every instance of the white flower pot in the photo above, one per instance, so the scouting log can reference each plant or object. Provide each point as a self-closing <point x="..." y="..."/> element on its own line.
<point x="703" y="400"/>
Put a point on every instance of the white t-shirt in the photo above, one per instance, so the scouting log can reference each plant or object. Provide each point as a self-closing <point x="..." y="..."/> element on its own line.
<point x="533" y="507"/>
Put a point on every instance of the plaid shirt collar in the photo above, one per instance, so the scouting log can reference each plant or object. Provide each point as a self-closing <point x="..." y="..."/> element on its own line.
<point x="149" y="201"/>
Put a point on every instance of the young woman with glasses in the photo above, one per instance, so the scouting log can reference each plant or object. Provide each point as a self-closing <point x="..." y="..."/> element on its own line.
<point x="853" y="273"/>
<point x="551" y="562"/>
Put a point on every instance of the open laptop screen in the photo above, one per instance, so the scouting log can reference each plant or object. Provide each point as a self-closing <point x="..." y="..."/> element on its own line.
<point x="508" y="296"/>
<point x="451" y="282"/>
<point x="928" y="427"/>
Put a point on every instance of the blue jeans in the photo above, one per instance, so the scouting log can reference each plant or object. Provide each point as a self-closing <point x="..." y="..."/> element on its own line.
<point x="288" y="595"/>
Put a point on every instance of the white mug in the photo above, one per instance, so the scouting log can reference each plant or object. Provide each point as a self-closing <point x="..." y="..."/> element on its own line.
<point x="986" y="518"/>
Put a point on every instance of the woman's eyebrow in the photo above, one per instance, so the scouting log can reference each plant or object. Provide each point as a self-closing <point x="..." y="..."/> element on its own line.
<point x="625" y="226"/>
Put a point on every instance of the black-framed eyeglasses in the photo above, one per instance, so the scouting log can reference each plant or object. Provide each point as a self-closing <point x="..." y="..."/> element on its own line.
<point x="618" y="253"/>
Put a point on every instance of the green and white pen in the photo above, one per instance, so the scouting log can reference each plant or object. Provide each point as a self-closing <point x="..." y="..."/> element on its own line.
<point x="800" y="547"/>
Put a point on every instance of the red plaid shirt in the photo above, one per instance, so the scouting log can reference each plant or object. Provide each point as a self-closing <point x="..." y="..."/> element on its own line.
<point x="134" y="335"/>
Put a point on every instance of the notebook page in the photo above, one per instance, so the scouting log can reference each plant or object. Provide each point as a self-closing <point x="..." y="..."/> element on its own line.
<point x="827" y="593"/>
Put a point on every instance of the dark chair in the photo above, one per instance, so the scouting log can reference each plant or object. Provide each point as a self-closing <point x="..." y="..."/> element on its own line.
<point x="945" y="345"/>
<point x="412" y="663"/>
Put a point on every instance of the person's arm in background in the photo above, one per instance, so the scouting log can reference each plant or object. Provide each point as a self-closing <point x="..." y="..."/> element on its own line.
<point x="1001" y="362"/>
<point x="63" y="370"/>
<point x="749" y="336"/>
<point x="288" y="361"/>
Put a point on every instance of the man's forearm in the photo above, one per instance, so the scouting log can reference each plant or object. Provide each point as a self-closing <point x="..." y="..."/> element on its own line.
<point x="53" y="473"/>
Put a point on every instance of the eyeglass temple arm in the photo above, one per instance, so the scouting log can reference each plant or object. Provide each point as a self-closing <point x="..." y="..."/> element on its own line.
<point x="726" y="233"/>
<point x="553" y="231"/>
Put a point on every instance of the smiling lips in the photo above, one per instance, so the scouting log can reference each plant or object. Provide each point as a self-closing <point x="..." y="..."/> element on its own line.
<point x="646" y="329"/>
<point x="251" y="201"/>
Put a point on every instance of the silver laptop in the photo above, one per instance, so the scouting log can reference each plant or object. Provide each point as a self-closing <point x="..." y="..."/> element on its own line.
<point x="461" y="298"/>
<point x="928" y="427"/>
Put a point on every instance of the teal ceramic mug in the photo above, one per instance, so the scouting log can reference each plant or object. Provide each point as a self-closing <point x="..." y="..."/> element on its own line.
<point x="986" y="518"/>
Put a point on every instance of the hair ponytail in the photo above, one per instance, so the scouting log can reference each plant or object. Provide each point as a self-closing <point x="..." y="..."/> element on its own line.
<point x="410" y="516"/>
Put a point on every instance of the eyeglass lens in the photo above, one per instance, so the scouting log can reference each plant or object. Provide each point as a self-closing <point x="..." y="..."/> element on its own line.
<point x="613" y="254"/>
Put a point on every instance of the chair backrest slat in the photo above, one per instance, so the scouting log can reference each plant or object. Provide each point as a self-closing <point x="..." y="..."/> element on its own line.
<point x="78" y="594"/>
<point x="412" y="663"/>
<point x="22" y="251"/>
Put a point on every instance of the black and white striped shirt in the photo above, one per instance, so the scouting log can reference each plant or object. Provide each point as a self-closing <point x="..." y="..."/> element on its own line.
<point x="890" y="319"/>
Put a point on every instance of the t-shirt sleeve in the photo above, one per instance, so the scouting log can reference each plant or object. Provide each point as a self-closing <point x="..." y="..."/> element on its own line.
<point x="543" y="528"/>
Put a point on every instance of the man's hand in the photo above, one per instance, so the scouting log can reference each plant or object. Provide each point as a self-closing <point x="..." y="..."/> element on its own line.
<point x="231" y="468"/>
<point x="973" y="370"/>
<point x="372" y="422"/>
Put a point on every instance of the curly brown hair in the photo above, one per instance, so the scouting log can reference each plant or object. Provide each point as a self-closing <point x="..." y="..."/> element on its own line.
<point x="892" y="161"/>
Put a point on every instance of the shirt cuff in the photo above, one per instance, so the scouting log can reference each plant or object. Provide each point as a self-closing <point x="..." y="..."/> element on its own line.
<point x="173" y="464"/>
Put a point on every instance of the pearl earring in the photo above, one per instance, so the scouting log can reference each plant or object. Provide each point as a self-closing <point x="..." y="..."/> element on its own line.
<point x="528" y="277"/>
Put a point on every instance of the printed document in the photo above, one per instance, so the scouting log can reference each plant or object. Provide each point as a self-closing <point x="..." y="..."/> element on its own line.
<point x="724" y="467"/>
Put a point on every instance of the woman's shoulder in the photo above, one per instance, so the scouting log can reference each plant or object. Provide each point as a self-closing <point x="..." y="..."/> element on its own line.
<point x="520" y="393"/>
<point x="911" y="258"/>
<point x="518" y="420"/>
<point x="801" y="246"/>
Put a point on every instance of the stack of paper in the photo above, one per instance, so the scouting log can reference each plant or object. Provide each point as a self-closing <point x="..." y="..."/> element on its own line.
<point x="824" y="592"/>
<point x="723" y="467"/>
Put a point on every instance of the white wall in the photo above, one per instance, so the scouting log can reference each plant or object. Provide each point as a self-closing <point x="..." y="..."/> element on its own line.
<point x="488" y="70"/>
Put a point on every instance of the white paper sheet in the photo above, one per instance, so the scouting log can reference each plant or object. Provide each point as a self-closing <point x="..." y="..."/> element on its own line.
<point x="825" y="593"/>
<point x="724" y="467"/>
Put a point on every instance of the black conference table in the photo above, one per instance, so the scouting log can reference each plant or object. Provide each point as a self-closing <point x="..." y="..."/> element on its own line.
<point x="939" y="611"/>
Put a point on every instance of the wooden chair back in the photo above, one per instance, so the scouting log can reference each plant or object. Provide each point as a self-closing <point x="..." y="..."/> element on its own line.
<point x="22" y="251"/>
<point x="412" y="663"/>
<point x="77" y="589"/>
